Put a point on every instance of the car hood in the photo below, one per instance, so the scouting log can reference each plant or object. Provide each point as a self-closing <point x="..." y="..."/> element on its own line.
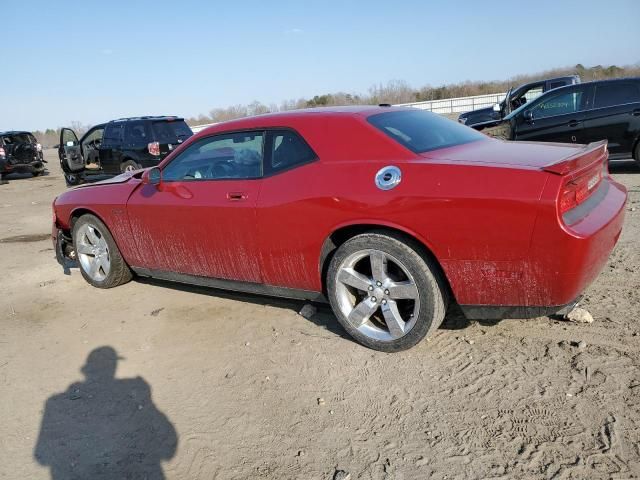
<point x="477" y="112"/>
<point x="496" y="152"/>
<point x="122" y="178"/>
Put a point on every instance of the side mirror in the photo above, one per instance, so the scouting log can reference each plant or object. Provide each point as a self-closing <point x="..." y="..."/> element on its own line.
<point x="496" y="107"/>
<point x="153" y="176"/>
<point x="528" y="116"/>
<point x="70" y="143"/>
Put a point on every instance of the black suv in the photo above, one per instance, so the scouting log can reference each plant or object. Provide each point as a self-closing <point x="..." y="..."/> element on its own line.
<point x="516" y="98"/>
<point x="583" y="113"/>
<point x="20" y="152"/>
<point x="119" y="146"/>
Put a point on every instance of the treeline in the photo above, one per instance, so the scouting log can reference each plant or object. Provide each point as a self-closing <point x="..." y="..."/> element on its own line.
<point x="393" y="92"/>
<point x="399" y="91"/>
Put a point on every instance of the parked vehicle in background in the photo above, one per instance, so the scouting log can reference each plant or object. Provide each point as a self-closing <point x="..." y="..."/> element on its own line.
<point x="389" y="211"/>
<point x="515" y="98"/>
<point x="3" y="163"/>
<point x="20" y="152"/>
<point x="119" y="146"/>
<point x="588" y="112"/>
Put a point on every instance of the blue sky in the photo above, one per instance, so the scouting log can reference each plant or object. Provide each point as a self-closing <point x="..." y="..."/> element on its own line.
<point x="92" y="61"/>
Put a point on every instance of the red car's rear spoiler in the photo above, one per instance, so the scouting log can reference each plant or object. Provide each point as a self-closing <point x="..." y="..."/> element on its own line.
<point x="586" y="156"/>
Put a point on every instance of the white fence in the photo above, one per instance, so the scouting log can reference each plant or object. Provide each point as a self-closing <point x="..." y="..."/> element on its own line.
<point x="457" y="105"/>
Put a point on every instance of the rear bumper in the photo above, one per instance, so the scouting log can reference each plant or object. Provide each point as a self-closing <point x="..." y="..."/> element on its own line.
<point x="31" y="167"/>
<point x="567" y="258"/>
<point x="565" y="255"/>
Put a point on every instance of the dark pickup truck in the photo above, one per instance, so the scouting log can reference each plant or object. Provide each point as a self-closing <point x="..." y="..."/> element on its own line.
<point x="584" y="113"/>
<point x="516" y="98"/>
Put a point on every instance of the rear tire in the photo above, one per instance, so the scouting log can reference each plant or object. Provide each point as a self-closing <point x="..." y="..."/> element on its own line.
<point x="636" y="154"/>
<point x="129" y="166"/>
<point x="100" y="261"/>
<point x="386" y="294"/>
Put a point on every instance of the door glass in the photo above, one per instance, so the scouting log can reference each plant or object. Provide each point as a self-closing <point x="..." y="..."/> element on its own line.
<point x="559" y="104"/>
<point x="92" y="137"/>
<point x="228" y="156"/>
<point x="616" y="93"/>
<point x="68" y="136"/>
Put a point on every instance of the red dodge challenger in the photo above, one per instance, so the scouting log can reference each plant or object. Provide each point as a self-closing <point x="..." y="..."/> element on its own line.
<point x="389" y="213"/>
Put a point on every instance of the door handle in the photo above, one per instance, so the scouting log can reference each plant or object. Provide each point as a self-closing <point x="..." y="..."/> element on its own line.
<point x="574" y="123"/>
<point x="236" y="196"/>
<point x="636" y="112"/>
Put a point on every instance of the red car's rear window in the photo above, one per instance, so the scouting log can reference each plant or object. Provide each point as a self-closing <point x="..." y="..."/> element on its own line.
<point x="422" y="131"/>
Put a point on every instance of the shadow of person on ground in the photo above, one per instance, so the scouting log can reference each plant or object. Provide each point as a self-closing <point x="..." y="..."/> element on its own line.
<point x="104" y="427"/>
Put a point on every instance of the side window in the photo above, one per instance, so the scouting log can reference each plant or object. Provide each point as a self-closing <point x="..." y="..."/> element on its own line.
<point x="616" y="93"/>
<point x="226" y="156"/>
<point x="113" y="134"/>
<point x="136" y="133"/>
<point x="68" y="137"/>
<point x="567" y="101"/>
<point x="553" y="85"/>
<point x="288" y="149"/>
<point x="93" y="137"/>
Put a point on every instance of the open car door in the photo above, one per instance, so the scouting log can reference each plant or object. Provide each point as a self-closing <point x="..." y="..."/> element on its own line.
<point x="70" y="155"/>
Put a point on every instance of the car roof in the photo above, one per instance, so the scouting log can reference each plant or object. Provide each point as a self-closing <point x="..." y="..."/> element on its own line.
<point x="155" y="118"/>
<point x="267" y="119"/>
<point x="15" y="132"/>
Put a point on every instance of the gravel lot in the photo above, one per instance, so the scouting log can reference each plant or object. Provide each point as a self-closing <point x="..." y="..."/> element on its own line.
<point x="213" y="385"/>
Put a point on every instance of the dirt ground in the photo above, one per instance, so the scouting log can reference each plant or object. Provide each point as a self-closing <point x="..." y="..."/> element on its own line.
<point x="213" y="385"/>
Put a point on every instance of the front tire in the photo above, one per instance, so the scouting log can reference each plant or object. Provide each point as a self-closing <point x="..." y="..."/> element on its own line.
<point x="636" y="154"/>
<point x="385" y="293"/>
<point x="72" y="179"/>
<point x="100" y="261"/>
<point x="129" y="166"/>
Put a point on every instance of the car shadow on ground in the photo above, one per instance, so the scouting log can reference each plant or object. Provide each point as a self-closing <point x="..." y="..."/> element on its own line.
<point x="322" y="317"/>
<point x="24" y="176"/>
<point x="104" y="427"/>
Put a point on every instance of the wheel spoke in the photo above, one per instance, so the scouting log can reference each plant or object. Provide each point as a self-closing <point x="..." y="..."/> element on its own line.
<point x="94" y="268"/>
<point x="91" y="235"/>
<point x="350" y="277"/>
<point x="102" y="243"/>
<point x="85" y="249"/>
<point x="362" y="312"/>
<point x="392" y="318"/>
<point x="106" y="265"/>
<point x="378" y="265"/>
<point x="403" y="290"/>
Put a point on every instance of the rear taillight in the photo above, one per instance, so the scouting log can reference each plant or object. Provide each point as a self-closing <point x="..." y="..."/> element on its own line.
<point x="576" y="191"/>
<point x="2" y="154"/>
<point x="38" y="147"/>
<point x="154" y="148"/>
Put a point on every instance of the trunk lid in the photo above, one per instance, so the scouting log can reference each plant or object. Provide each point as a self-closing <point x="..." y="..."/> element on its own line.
<point x="558" y="158"/>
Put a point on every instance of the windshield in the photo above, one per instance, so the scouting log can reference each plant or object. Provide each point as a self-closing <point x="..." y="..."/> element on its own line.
<point x="422" y="131"/>
<point x="19" y="138"/>
<point x="171" y="131"/>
